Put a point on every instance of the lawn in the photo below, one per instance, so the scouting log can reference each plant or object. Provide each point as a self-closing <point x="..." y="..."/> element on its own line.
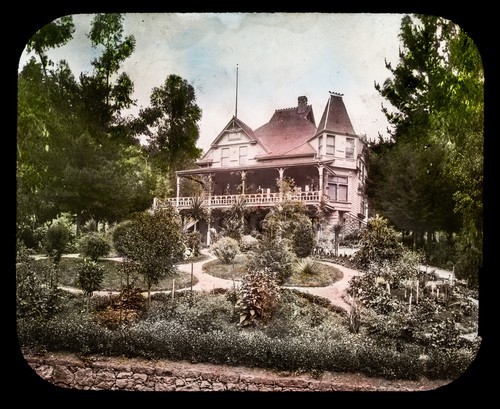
<point x="114" y="280"/>
<point x="323" y="274"/>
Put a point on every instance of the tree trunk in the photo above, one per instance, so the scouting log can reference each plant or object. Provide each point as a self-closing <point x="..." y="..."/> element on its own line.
<point x="78" y="224"/>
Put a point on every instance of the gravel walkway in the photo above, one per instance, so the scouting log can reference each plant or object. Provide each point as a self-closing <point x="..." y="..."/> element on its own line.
<point x="336" y="292"/>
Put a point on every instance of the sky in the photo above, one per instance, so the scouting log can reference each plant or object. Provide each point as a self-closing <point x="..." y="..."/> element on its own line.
<point x="267" y="60"/>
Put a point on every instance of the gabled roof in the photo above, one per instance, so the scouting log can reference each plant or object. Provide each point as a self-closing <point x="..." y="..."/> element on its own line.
<point x="236" y="123"/>
<point x="287" y="129"/>
<point x="335" y="118"/>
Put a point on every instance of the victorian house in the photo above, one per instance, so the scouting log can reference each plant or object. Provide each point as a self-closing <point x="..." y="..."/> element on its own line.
<point x="288" y="158"/>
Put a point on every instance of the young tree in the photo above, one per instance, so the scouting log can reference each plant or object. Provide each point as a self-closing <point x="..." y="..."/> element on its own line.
<point x="153" y="244"/>
<point x="90" y="276"/>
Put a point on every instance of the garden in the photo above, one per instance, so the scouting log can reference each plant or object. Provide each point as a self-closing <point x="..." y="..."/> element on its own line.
<point x="402" y="323"/>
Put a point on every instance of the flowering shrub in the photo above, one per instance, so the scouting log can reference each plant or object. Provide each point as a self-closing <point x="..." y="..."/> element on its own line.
<point x="248" y="243"/>
<point x="226" y="249"/>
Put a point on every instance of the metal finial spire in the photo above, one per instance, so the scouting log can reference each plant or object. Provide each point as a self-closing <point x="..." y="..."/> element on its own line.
<point x="236" y="105"/>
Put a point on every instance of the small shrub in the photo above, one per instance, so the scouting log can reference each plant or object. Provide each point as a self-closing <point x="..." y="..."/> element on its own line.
<point x="226" y="249"/>
<point x="305" y="266"/>
<point x="258" y="296"/>
<point x="303" y="236"/>
<point x="55" y="241"/>
<point x="193" y="240"/>
<point x="35" y="298"/>
<point x="93" y="246"/>
<point x="248" y="243"/>
<point x="90" y="276"/>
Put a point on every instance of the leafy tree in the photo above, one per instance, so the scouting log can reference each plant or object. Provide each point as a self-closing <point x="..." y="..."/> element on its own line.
<point x="152" y="244"/>
<point x="90" y="276"/>
<point x="170" y="124"/>
<point x="55" y="34"/>
<point x="68" y="155"/>
<point x="274" y="255"/>
<point x="437" y="92"/>
<point x="413" y="194"/>
<point x="106" y="92"/>
<point x="120" y="237"/>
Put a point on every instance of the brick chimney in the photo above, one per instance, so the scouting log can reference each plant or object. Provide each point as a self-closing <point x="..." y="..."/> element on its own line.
<point x="302" y="105"/>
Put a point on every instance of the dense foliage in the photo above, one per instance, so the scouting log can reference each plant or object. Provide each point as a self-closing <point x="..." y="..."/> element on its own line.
<point x="77" y="152"/>
<point x="428" y="177"/>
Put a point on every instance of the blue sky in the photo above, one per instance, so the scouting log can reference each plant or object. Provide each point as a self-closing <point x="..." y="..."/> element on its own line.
<point x="280" y="56"/>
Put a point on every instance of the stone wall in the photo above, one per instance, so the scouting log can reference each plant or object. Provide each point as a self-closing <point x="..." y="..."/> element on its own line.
<point x="106" y="373"/>
<point x="142" y="375"/>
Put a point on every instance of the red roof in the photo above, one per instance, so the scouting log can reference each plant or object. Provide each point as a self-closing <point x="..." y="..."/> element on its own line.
<point x="335" y="118"/>
<point x="287" y="129"/>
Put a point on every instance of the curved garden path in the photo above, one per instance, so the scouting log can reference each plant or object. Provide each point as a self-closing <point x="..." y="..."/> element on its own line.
<point x="207" y="282"/>
<point x="334" y="292"/>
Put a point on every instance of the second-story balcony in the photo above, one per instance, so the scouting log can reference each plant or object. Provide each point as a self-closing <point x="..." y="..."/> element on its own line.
<point x="252" y="199"/>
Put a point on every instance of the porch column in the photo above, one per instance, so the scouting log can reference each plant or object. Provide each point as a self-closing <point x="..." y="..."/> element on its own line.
<point x="209" y="211"/>
<point x="281" y="173"/>
<point x="177" y="191"/>
<point x="243" y="175"/>
<point x="209" y="216"/>
<point x="320" y="172"/>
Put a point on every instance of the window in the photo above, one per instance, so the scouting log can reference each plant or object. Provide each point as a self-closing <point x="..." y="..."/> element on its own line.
<point x="337" y="188"/>
<point x="224" y="157"/>
<point x="330" y="145"/>
<point x="234" y="136"/>
<point x="349" y="148"/>
<point x="320" y="145"/>
<point x="243" y="155"/>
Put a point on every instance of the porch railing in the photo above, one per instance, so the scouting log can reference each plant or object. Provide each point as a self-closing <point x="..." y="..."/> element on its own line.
<point x="252" y="199"/>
